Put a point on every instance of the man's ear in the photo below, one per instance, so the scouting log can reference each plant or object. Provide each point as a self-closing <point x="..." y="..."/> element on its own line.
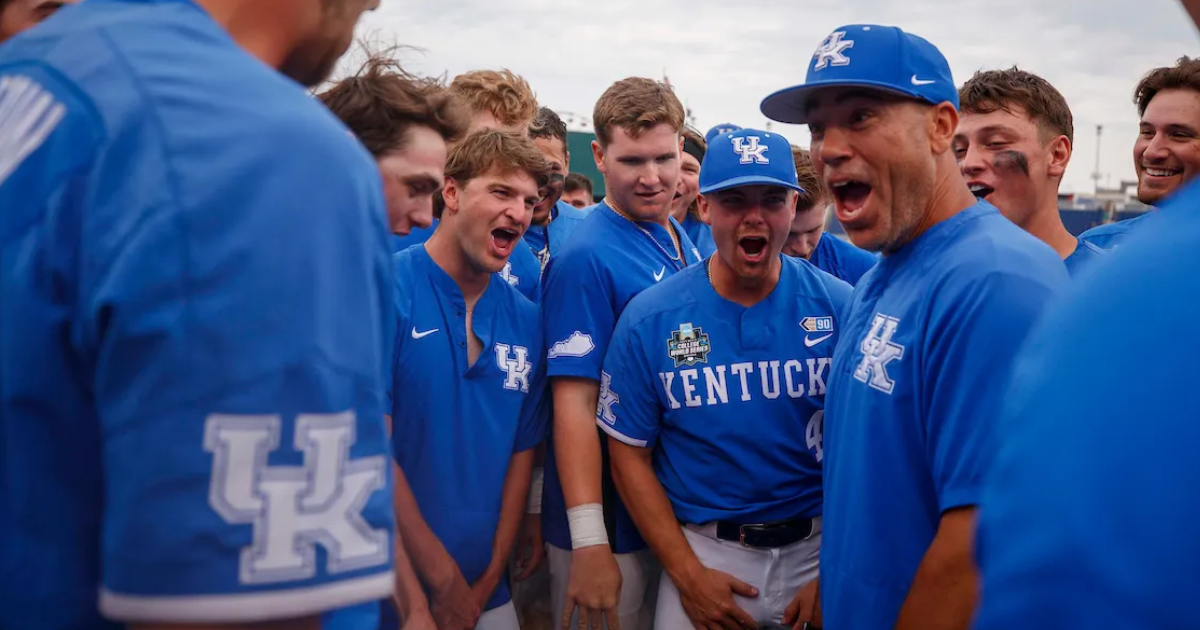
<point x="451" y="196"/>
<point x="1060" y="155"/>
<point x="943" y="122"/>
<point x="598" y="156"/>
<point x="702" y="209"/>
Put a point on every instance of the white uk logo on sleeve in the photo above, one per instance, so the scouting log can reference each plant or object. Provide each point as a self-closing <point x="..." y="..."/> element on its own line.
<point x="295" y="509"/>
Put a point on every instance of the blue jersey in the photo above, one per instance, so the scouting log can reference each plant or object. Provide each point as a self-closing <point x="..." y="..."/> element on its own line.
<point x="456" y="426"/>
<point x="1111" y="235"/>
<point x="730" y="398"/>
<point x="917" y="383"/>
<point x="545" y="240"/>
<point x="842" y="259"/>
<point x="522" y="270"/>
<point x="588" y="284"/>
<point x="195" y="302"/>
<point x="701" y="235"/>
<point x="1088" y="518"/>
<point x="1082" y="258"/>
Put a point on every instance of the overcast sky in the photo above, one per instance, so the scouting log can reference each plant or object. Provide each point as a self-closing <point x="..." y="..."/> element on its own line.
<point x="724" y="56"/>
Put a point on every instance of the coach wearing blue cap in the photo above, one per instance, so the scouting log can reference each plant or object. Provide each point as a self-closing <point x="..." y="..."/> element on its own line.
<point x="927" y="342"/>
<point x="713" y="397"/>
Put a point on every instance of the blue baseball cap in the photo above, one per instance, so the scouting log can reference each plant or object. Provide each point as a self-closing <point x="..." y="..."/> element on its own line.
<point x="746" y="157"/>
<point x="872" y="56"/>
<point x="718" y="130"/>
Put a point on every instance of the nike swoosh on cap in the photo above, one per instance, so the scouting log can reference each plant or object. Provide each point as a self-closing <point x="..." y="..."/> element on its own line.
<point x="916" y="81"/>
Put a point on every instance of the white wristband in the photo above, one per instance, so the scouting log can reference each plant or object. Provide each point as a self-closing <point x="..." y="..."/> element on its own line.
<point x="587" y="526"/>
<point x="535" y="492"/>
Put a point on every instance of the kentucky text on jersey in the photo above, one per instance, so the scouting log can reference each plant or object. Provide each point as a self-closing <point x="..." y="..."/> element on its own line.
<point x="708" y="386"/>
<point x="731" y="398"/>
<point x="587" y="286"/>
<point x="196" y="302"/>
<point x="914" y="393"/>
<point x="455" y="425"/>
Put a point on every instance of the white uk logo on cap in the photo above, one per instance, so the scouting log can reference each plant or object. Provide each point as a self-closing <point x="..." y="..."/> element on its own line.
<point x="830" y="52"/>
<point x="752" y="152"/>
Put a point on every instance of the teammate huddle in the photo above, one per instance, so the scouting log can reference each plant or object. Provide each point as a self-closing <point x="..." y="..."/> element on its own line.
<point x="227" y="399"/>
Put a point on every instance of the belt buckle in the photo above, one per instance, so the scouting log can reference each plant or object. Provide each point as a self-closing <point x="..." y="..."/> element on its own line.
<point x="742" y="532"/>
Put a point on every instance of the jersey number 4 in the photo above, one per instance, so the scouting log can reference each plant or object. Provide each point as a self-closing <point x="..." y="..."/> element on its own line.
<point x="814" y="434"/>
<point x="292" y="509"/>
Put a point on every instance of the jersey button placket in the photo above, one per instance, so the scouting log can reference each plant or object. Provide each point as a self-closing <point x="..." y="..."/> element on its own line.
<point x="755" y="332"/>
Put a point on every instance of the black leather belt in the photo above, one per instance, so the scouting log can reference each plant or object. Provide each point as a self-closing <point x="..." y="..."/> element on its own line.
<point x="766" y="535"/>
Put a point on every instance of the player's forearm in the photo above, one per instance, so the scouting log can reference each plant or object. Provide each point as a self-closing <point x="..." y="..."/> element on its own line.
<point x="946" y="588"/>
<point x="512" y="510"/>
<point x="648" y="504"/>
<point x="576" y="440"/>
<point x="410" y="597"/>
<point x="424" y="548"/>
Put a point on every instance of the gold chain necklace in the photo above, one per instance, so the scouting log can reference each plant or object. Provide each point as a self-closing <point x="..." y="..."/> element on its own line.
<point x="678" y="257"/>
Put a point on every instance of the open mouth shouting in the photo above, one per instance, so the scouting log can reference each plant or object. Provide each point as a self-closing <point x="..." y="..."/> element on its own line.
<point x="753" y="248"/>
<point x="503" y="240"/>
<point x="850" y="197"/>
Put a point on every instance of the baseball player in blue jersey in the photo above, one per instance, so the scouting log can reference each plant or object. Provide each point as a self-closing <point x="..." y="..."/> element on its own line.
<point x="927" y="340"/>
<point x="469" y="397"/>
<point x="405" y="123"/>
<point x="713" y="396"/>
<point x="632" y="243"/>
<point x="1166" y="154"/>
<point x="806" y="236"/>
<point x="196" y="306"/>
<point x="1013" y="144"/>
<point x="1053" y="550"/>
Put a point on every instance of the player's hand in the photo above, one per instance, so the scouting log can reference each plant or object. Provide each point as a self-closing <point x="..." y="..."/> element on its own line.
<point x="708" y="601"/>
<point x="805" y="608"/>
<point x="419" y="620"/>
<point x="594" y="587"/>
<point x="531" y="549"/>
<point x="485" y="586"/>
<point x="452" y="602"/>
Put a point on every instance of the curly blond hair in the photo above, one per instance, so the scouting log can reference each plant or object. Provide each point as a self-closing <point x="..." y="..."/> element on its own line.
<point x="501" y="93"/>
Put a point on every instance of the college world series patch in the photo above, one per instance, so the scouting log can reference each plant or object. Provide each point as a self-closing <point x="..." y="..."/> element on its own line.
<point x="688" y="346"/>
